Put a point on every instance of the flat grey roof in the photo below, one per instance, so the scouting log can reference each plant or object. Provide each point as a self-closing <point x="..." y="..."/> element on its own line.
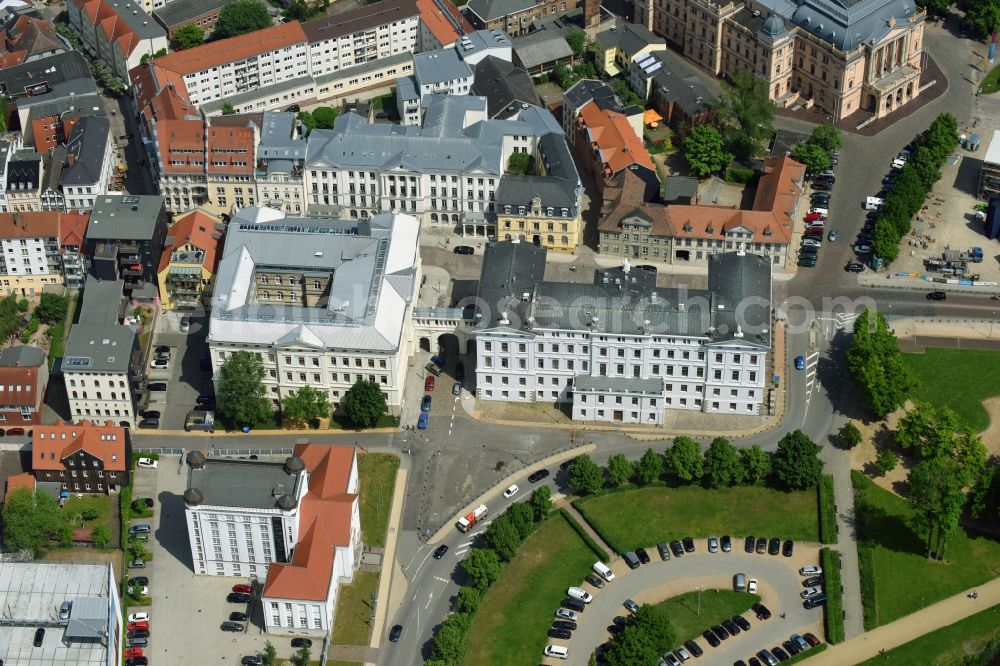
<point x="439" y="66"/>
<point x="617" y="384"/>
<point x="136" y="18"/>
<point x="539" y="48"/>
<point x="276" y="142"/>
<point x="247" y="484"/>
<point x="180" y="11"/>
<point x="131" y="217"/>
<point x="98" y="348"/>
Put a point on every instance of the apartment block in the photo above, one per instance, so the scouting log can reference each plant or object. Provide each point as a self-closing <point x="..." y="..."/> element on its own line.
<point x="441" y="72"/>
<point x="30" y="257"/>
<point x="989" y="177"/>
<point x="230" y="144"/>
<point x="116" y="32"/>
<point x="281" y="155"/>
<point x="441" y="24"/>
<point x="186" y="271"/>
<point x="514" y="17"/>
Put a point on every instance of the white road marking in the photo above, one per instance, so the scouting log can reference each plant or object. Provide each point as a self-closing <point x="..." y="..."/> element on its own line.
<point x="430" y="597"/>
<point x="443" y="580"/>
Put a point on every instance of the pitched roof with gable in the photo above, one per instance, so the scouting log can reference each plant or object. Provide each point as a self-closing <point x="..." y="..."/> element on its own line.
<point x="326" y="517"/>
<point x="74" y="227"/>
<point x="33" y="224"/>
<point x="123" y="22"/>
<point x="443" y="20"/>
<point x="27" y="37"/>
<point x="50" y="444"/>
<point x="195" y="228"/>
<point x="231" y="149"/>
<point x="368" y="15"/>
<point x="87" y="144"/>
<point x="504" y="85"/>
<point x="229" y="50"/>
<point x="614" y="137"/>
<point x="18" y="387"/>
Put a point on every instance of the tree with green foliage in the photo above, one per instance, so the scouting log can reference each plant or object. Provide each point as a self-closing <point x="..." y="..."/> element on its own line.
<point x="756" y="465"/>
<point x="10" y="317"/>
<point x="90" y="513"/>
<point x="452" y="639"/>
<point x="52" y="308"/>
<point x="722" y="464"/>
<point x="826" y="136"/>
<point x="938" y="8"/>
<point x="241" y="395"/>
<point x="502" y="536"/>
<point x="135" y="591"/>
<point x="928" y="429"/>
<point x="748" y="110"/>
<point x="325" y="117"/>
<point x="935" y="491"/>
<point x="300" y="10"/>
<point x="305" y="405"/>
<point x="585" y="475"/>
<point x="520" y="164"/>
<point x="31" y="521"/>
<point x="482" y="566"/>
<point x="876" y="365"/>
<point x="705" y="151"/>
<point x="796" y="462"/>
<point x="522" y="517"/>
<point x="886" y="460"/>
<point x="577" y="40"/>
<point x="540" y="502"/>
<point x="307" y="120"/>
<point x="849" y="435"/>
<point x="813" y="156"/>
<point x="304" y="655"/>
<point x="101" y="536"/>
<point x="684" y="459"/>
<point x="147" y="57"/>
<point x="228" y="109"/>
<point x="983" y="17"/>
<point x="646" y="635"/>
<point x="364" y="403"/>
<point x="886" y="245"/>
<point x="625" y="94"/>
<point x="649" y="468"/>
<point x="188" y="36"/>
<point x="3" y="113"/>
<point x="270" y="653"/>
<point x="984" y="496"/>
<point x="620" y="470"/>
<point x="468" y="598"/>
<point x="240" y="17"/>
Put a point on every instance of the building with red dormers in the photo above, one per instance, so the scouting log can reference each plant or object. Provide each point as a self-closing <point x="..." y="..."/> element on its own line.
<point x="84" y="457"/>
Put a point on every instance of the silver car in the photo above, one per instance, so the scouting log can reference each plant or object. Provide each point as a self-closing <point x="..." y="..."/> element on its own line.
<point x="810" y="592"/>
<point x="713" y="544"/>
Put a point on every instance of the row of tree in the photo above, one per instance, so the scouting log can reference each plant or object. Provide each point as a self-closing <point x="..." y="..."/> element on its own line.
<point x="795" y="464"/>
<point x="875" y="365"/>
<point x="483" y="566"/>
<point x="815" y="153"/>
<point x="909" y="190"/>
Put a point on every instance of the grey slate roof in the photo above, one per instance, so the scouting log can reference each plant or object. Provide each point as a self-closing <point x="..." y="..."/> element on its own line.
<point x="520" y="190"/>
<point x="679" y="187"/>
<point x="24" y="171"/>
<point x="368" y="15"/>
<point x="439" y="66"/>
<point x="249" y="484"/>
<point x="586" y="90"/>
<point x="83" y="105"/>
<point x="101" y="301"/>
<point x="138" y="21"/>
<point x="489" y="10"/>
<point x="617" y="384"/>
<point x="87" y="143"/>
<point x="406" y="89"/>
<point x="56" y="69"/>
<point x="743" y="307"/>
<point x="276" y="139"/>
<point x="116" y="218"/>
<point x="24" y="356"/>
<point x="848" y="24"/>
<point x="630" y="38"/>
<point x="53" y="165"/>
<point x="541" y="47"/>
<point x="680" y="82"/>
<point x="106" y="348"/>
<point x="504" y="85"/>
<point x="181" y="11"/>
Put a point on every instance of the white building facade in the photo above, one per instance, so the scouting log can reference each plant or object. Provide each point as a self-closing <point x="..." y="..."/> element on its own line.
<point x="95" y="395"/>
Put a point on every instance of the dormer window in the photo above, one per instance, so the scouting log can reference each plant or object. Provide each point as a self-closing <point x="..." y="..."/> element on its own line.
<point x="767" y="232"/>
<point x="688" y="228"/>
<point x="710" y="229"/>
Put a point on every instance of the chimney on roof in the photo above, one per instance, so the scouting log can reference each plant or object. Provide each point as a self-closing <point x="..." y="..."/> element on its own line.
<point x="71" y="159"/>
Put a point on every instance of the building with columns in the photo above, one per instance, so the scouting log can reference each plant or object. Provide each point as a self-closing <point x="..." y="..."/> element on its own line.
<point x="840" y="56"/>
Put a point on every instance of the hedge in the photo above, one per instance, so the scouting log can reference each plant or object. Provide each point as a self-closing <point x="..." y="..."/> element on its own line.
<point x="602" y="555"/>
<point x="738" y="175"/>
<point x="834" y="609"/>
<point x="869" y="602"/>
<point x="827" y="510"/>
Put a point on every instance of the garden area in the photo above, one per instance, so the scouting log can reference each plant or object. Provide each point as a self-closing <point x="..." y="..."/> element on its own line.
<point x="92" y="511"/>
<point x="689" y="615"/>
<point x="509" y="625"/>
<point x="376" y="478"/>
<point x="354" y="609"/>
<point x="897" y="577"/>
<point x="658" y="513"/>
<point x="979" y="371"/>
<point x="959" y="643"/>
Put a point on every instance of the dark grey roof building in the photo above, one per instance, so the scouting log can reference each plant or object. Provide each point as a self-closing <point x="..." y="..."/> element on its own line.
<point x="125" y="238"/>
<point x="506" y="87"/>
<point x="88" y="146"/>
<point x="540" y="51"/>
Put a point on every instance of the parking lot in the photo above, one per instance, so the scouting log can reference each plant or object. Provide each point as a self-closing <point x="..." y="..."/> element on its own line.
<point x="187" y="611"/>
<point x="184" y="377"/>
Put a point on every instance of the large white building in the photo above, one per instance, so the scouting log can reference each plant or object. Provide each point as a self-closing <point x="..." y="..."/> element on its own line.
<point x="295" y="525"/>
<point x="621" y="349"/>
<point x="323" y="302"/>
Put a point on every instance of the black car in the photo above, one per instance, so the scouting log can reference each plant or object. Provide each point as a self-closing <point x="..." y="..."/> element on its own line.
<point x="688" y="545"/>
<point x="395" y="632"/>
<point x="812" y="602"/>
<point x="761" y="545"/>
<point x="741" y="622"/>
<point x="694" y="648"/>
<point x="464" y="249"/>
<point x="440" y="551"/>
<point x="139" y="633"/>
<point x="720" y="632"/>
<point x="233" y="626"/>
<point x="151" y="414"/>
<point x="710" y="637"/>
<point x="560" y="633"/>
<point x="855" y="267"/>
<point x="813" y="581"/>
<point x="238" y="598"/>
<point x="643" y="555"/>
<point x="937" y="296"/>
<point x="137" y="661"/>
<point x="595" y="580"/>
<point x="731" y="627"/>
<point x="787" y="548"/>
<point x="538" y="476"/>
<point x="149" y="423"/>
<point x="566" y="464"/>
<point x="138" y="580"/>
<point x="761" y="611"/>
<point x="773" y="546"/>
<point x="459" y="371"/>
<point x="779" y="654"/>
<point x="301" y="642"/>
<point x="819" y="199"/>
<point x="237" y="617"/>
<point x="748" y="544"/>
<point x="157" y="386"/>
<point x="791" y="648"/>
<point x="677" y="548"/>
<point x="39" y="637"/>
<point x="664" y="551"/>
<point x="294" y="108"/>
<point x="252" y="660"/>
<point x="568" y="625"/>
<point x="727" y="544"/>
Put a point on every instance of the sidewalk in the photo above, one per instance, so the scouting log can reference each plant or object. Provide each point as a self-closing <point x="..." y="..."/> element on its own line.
<point x="389" y="558"/>
<point x="911" y="627"/>
<point x="563" y="503"/>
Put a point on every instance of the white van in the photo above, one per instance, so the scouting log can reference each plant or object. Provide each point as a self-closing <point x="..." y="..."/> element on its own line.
<point x="557" y="651"/>
<point x="602" y="570"/>
<point x="874" y="203"/>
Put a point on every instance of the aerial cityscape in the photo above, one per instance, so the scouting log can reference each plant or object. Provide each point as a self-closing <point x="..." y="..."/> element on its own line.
<point x="499" y="332"/>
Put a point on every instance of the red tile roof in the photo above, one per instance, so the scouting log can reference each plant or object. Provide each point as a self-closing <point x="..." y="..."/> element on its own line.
<point x="30" y="225"/>
<point x="27" y="36"/>
<point x="229" y="50"/>
<point x="441" y="17"/>
<point x="19" y="387"/>
<point x="195" y="228"/>
<point x="50" y="444"/>
<point x="611" y="133"/>
<point x="22" y="480"/>
<point x="325" y="520"/>
<point x="181" y="146"/>
<point x="74" y="227"/>
<point x="231" y="149"/>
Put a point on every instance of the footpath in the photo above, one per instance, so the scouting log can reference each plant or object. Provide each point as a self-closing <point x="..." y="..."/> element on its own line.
<point x="911" y="627"/>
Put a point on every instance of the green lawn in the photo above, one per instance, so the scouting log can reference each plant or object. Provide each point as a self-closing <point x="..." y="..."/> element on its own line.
<point x="354" y="609"/>
<point x="646" y="516"/>
<point x="377" y="478"/>
<point x="991" y="83"/>
<point x="971" y="375"/>
<point x="105" y="505"/>
<point x="905" y="580"/>
<point x="947" y="645"/>
<point x="509" y="628"/>
<point x="689" y="620"/>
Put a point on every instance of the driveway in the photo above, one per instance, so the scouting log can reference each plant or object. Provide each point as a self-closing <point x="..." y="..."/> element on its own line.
<point x="185" y="380"/>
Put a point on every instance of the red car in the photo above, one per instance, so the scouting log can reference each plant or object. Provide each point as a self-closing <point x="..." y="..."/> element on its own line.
<point x="429" y="383"/>
<point x="813" y="217"/>
<point x="142" y="624"/>
<point x="15" y="432"/>
<point x="243" y="587"/>
<point x="133" y="652"/>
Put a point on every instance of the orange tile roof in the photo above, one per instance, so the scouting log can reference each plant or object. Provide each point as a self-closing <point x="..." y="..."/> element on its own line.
<point x="229" y="50"/>
<point x="325" y="520"/>
<point x="50" y="444"/>
<point x="195" y="228"/>
<point x="104" y="15"/>
<point x="440" y="24"/>
<point x="231" y="150"/>
<point x="181" y="146"/>
<point x="29" y="225"/>
<point x="17" y="481"/>
<point x="74" y="227"/>
<point x="152" y="83"/>
<point x="611" y="133"/>
<point x="19" y="387"/>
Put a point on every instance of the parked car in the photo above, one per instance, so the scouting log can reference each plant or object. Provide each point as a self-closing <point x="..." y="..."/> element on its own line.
<point x="301" y="642"/>
<point x="682" y="654"/>
<point x="810" y="592"/>
<point x="811" y="570"/>
<point x="395" y="633"/>
<point x="564" y="624"/>
<point x="669" y="659"/>
<point x="643" y="555"/>
<point x="440" y="551"/>
<point x="812" y="581"/>
<point x="146" y="463"/>
<point x="711" y="638"/>
<point x="581" y="594"/>
<point x="801" y="642"/>
<point x="464" y="249"/>
<point x="741" y="622"/>
<point x="761" y="545"/>
<point x="560" y="633"/>
<point x="185" y="324"/>
<point x="238" y="598"/>
<point x="677" y="548"/>
<point x="138" y="633"/>
<point x="630" y="606"/>
<point x="595" y="580"/>
<point x="538" y="476"/>
<point x="664" y="551"/>
<point x="790" y="647"/>
<point x="137" y="661"/>
<point x="854" y="267"/>
<point x="131" y="653"/>
<point x="800" y="362"/>
<point x="159" y="364"/>
<point x="752" y="586"/>
<point x="731" y="627"/>
<point x="236" y="616"/>
<point x="66" y="607"/>
<point x="232" y="626"/>
<point x="429" y="383"/>
<point x="813" y="241"/>
<point x="713" y="544"/>
<point x="813" y="602"/>
<point x="138" y="580"/>
<point x="156" y="387"/>
<point x="138" y="617"/>
<point x="162" y="350"/>
<point x="762" y="611"/>
<point x="510" y="492"/>
<point x="694" y="648"/>
<point x="720" y="632"/>
<point x="862" y="248"/>
<point x="811" y="639"/>
<point x="787" y="548"/>
<point x="773" y="546"/>
<point x="768" y="658"/>
<point x="779" y="654"/>
<point x="748" y="544"/>
<point x="252" y="660"/>
<point x="567" y="614"/>
<point x="937" y="296"/>
<point x="456" y="388"/>
<point x="137" y="563"/>
<point x="425" y="404"/>
<point x="422" y="421"/>
<point x="149" y="422"/>
<point x="727" y="544"/>
<point x="688" y="544"/>
<point x="39" y="637"/>
<point x="833" y="235"/>
<point x="243" y="587"/>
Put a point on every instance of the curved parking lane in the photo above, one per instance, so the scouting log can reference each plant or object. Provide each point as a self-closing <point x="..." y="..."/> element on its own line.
<point x="779" y="587"/>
